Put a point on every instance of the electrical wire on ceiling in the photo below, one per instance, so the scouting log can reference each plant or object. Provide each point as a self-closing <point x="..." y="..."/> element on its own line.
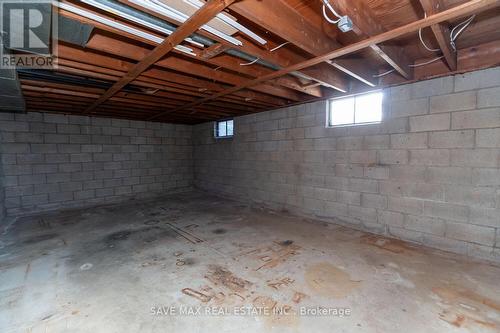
<point x="326" y="4"/>
<point x="453" y="37"/>
<point x="271" y="50"/>
<point x="422" y="40"/>
<point x="463" y="25"/>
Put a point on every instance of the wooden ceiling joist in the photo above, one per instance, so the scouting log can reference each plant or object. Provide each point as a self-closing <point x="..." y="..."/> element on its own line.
<point x="441" y="32"/>
<point x="366" y="25"/>
<point x="201" y="17"/>
<point x="126" y="75"/>
<point x="467" y="8"/>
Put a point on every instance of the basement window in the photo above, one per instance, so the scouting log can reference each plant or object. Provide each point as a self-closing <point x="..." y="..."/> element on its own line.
<point x="224" y="129"/>
<point x="355" y="110"/>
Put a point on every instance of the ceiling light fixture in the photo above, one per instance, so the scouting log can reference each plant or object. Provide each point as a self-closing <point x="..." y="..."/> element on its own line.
<point x="134" y="19"/>
<point x="117" y="25"/>
<point x="226" y="19"/>
<point x="163" y="9"/>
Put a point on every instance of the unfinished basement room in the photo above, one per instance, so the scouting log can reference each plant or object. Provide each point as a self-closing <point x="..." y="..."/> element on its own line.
<point x="250" y="166"/>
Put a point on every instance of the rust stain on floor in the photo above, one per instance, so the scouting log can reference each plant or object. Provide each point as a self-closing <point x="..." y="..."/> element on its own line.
<point x="327" y="280"/>
<point x="388" y="244"/>
<point x="467" y="308"/>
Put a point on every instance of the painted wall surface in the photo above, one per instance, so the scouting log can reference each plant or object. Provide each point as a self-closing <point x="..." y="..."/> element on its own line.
<point x="428" y="173"/>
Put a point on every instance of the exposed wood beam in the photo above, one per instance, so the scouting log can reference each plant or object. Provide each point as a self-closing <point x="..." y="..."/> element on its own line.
<point x="282" y="58"/>
<point x="280" y="19"/>
<point x="213" y="51"/>
<point x="223" y="61"/>
<point x="366" y="25"/>
<point x="467" y="8"/>
<point x="357" y="68"/>
<point x="175" y="80"/>
<point x="441" y="32"/>
<point x="198" y="19"/>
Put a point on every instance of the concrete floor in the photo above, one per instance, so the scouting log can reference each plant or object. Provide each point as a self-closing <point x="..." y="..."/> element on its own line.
<point x="127" y="268"/>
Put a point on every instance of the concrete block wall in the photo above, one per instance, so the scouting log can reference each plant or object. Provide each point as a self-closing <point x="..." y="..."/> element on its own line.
<point x="429" y="173"/>
<point x="53" y="161"/>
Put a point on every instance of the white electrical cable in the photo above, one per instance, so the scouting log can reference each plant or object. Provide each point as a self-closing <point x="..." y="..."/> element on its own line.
<point x="328" y="18"/>
<point x="119" y="26"/>
<point x="250" y="63"/>
<point x="385" y="73"/>
<point x="427" y="62"/>
<point x="327" y="4"/>
<point x="464" y="25"/>
<point x="278" y="47"/>
<point x="422" y="40"/>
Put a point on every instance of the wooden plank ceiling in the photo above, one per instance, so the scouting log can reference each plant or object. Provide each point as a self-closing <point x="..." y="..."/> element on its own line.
<point x="126" y="75"/>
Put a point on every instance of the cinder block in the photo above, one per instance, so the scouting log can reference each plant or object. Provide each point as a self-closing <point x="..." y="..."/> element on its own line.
<point x="56" y="138"/>
<point x="409" y="141"/>
<point x="84" y="195"/>
<point x="32" y="179"/>
<point x="483" y="252"/>
<point x="451" y="139"/>
<point x="433" y="87"/>
<point x="488" y="138"/>
<point x="14" y="126"/>
<point x="393" y="157"/>
<point x="425" y="224"/>
<point x="376" y="172"/>
<point x="55" y="118"/>
<point x="486" y="177"/>
<point x="406" y="205"/>
<point x="478" y="79"/>
<point x="447" y="211"/>
<point x="33" y="200"/>
<point x="347" y="197"/>
<point x="407" y="173"/>
<point x="485" y="216"/>
<point x="350" y="143"/>
<point x="376" y="142"/>
<point x="444" y="243"/>
<point x="450" y="175"/>
<point x="362" y="213"/>
<point x="366" y="157"/>
<point x="23" y="159"/>
<point x="15" y="148"/>
<point x="374" y="201"/>
<point x="28" y="137"/>
<point x="430" y="157"/>
<point x="412" y="107"/>
<point x="390" y="218"/>
<point x="453" y="102"/>
<point x="487" y="98"/>
<point x="363" y="185"/>
<point x="484" y="118"/>
<point x="61" y="197"/>
<point x="470" y="233"/>
<point x="475" y="157"/>
<point x="471" y="196"/>
<point x="79" y="158"/>
<point x="413" y="190"/>
<point x="433" y="122"/>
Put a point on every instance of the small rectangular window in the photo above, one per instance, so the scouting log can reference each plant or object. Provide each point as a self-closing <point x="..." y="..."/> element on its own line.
<point x="224" y="129"/>
<point x="358" y="109"/>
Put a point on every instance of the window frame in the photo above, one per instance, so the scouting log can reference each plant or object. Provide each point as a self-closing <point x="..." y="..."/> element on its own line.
<point x="216" y="129"/>
<point x="329" y="112"/>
